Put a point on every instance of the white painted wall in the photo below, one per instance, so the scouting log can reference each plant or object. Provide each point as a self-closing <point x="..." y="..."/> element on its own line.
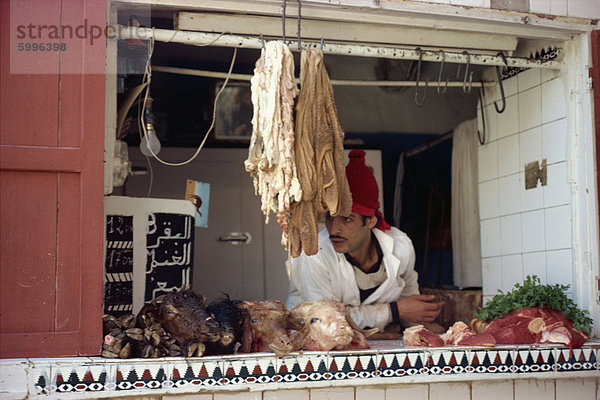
<point x="570" y="8"/>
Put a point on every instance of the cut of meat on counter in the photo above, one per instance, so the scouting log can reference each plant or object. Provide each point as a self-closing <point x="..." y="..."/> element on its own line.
<point x="533" y="325"/>
<point x="458" y="334"/>
<point x="271" y="161"/>
<point x="419" y="336"/>
<point x="319" y="155"/>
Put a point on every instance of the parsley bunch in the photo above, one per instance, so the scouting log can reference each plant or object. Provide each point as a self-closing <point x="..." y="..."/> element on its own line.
<point x="533" y="294"/>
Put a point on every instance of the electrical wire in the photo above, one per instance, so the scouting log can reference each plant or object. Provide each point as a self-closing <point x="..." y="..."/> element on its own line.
<point x="148" y="78"/>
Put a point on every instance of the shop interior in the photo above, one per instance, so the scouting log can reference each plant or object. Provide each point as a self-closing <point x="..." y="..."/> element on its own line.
<point x="409" y="128"/>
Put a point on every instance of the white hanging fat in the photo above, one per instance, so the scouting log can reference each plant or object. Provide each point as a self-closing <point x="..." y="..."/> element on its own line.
<point x="271" y="161"/>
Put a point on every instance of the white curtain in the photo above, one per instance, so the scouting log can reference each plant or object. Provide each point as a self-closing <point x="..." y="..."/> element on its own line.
<point x="466" y="244"/>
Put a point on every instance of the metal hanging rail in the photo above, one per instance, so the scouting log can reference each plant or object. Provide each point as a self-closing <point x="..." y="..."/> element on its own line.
<point x="246" y="77"/>
<point x="360" y="50"/>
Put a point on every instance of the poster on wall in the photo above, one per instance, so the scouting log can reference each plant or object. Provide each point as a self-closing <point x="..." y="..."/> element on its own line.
<point x="169" y="247"/>
<point x="199" y="194"/>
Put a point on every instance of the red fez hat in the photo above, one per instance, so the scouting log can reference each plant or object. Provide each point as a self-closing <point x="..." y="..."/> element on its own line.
<point x="363" y="186"/>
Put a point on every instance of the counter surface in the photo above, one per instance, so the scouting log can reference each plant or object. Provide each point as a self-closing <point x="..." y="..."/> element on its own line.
<point x="387" y="362"/>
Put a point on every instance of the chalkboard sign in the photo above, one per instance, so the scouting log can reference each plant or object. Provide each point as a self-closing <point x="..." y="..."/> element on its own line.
<point x="169" y="245"/>
<point x="118" y="265"/>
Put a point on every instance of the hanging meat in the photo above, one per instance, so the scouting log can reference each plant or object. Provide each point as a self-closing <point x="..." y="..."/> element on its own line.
<point x="299" y="174"/>
<point x="271" y="153"/>
<point x="319" y="151"/>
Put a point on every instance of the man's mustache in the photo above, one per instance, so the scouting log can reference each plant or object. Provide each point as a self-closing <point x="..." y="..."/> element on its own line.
<point x="336" y="237"/>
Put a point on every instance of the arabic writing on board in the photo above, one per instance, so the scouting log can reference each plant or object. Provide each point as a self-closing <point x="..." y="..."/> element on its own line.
<point x="118" y="265"/>
<point x="169" y="246"/>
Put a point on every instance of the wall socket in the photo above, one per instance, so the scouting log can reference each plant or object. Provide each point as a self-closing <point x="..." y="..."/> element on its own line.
<point x="535" y="173"/>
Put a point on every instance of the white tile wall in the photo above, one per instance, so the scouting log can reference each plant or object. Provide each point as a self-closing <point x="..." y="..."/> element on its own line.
<point x="488" y="199"/>
<point x="492" y="275"/>
<point x="554" y="141"/>
<point x="534" y="389"/>
<point x="557" y="192"/>
<point x="509" y="194"/>
<point x="535" y="264"/>
<point x="238" y="396"/>
<point x="559" y="267"/>
<point x="532" y="225"/>
<point x="471" y="3"/>
<point x="558" y="223"/>
<point x="574" y="8"/>
<point x="488" y="161"/>
<point x="548" y="74"/>
<point x="508" y="122"/>
<point x="286" y="395"/>
<point x="567" y="389"/>
<point x="445" y="391"/>
<point x="510" y="234"/>
<point x="512" y="271"/>
<point x="490" y="238"/>
<point x="554" y="104"/>
<point x="332" y="393"/>
<point x="508" y="155"/>
<point x="528" y="79"/>
<point x="530" y="108"/>
<point x="491" y="390"/>
<point x="526" y="232"/>
<point x="370" y="393"/>
<point x="531" y="199"/>
<point x="530" y="146"/>
<point x="195" y="396"/>
<point x="583" y="8"/>
<point x="412" y="392"/>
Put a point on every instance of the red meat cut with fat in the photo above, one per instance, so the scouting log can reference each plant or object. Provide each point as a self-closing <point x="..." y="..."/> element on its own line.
<point x="535" y="325"/>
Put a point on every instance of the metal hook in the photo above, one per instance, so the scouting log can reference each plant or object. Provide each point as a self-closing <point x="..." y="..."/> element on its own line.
<point x="440" y="75"/>
<point x="465" y="89"/>
<point x="262" y="40"/>
<point x="498" y="109"/>
<point x="422" y="103"/>
<point x="299" y="22"/>
<point x="283" y="21"/>
<point x="482" y="104"/>
<point x="322" y="40"/>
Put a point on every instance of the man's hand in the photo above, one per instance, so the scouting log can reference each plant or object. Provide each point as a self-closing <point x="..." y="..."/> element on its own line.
<point x="418" y="308"/>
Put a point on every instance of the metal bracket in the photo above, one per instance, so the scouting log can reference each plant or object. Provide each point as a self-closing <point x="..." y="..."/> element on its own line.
<point x="236" y="238"/>
<point x="535" y="173"/>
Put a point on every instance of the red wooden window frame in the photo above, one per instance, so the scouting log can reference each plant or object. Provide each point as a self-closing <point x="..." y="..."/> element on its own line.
<point x="51" y="197"/>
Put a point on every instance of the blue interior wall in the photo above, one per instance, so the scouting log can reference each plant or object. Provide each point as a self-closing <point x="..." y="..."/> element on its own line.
<point x="423" y="171"/>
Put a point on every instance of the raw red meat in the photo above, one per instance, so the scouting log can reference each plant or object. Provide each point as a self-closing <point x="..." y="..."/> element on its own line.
<point x="478" y="339"/>
<point x="460" y="334"/>
<point x="535" y="325"/>
<point x="419" y="336"/>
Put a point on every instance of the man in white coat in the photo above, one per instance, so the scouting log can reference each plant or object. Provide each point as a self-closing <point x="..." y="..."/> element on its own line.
<point x="363" y="262"/>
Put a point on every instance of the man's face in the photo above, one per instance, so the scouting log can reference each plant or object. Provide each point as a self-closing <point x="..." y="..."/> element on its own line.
<point x="348" y="234"/>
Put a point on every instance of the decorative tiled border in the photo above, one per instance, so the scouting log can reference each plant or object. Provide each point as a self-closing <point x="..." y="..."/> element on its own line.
<point x="101" y="375"/>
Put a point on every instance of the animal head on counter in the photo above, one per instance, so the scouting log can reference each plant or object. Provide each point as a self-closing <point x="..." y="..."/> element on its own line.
<point x="185" y="317"/>
<point x="265" y="329"/>
<point x="325" y="325"/>
<point x="231" y="319"/>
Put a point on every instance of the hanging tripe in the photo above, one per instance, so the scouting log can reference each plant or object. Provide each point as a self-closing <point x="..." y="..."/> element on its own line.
<point x="299" y="175"/>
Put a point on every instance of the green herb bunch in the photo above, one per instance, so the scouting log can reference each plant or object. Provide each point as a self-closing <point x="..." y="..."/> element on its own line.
<point x="533" y="294"/>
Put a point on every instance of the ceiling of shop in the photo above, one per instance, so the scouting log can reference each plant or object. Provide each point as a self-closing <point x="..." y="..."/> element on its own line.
<point x="183" y="104"/>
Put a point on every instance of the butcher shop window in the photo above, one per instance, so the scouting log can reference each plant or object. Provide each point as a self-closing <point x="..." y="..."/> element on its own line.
<point x="406" y="107"/>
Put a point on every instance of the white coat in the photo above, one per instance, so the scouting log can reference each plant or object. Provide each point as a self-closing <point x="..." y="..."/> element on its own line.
<point x="328" y="274"/>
